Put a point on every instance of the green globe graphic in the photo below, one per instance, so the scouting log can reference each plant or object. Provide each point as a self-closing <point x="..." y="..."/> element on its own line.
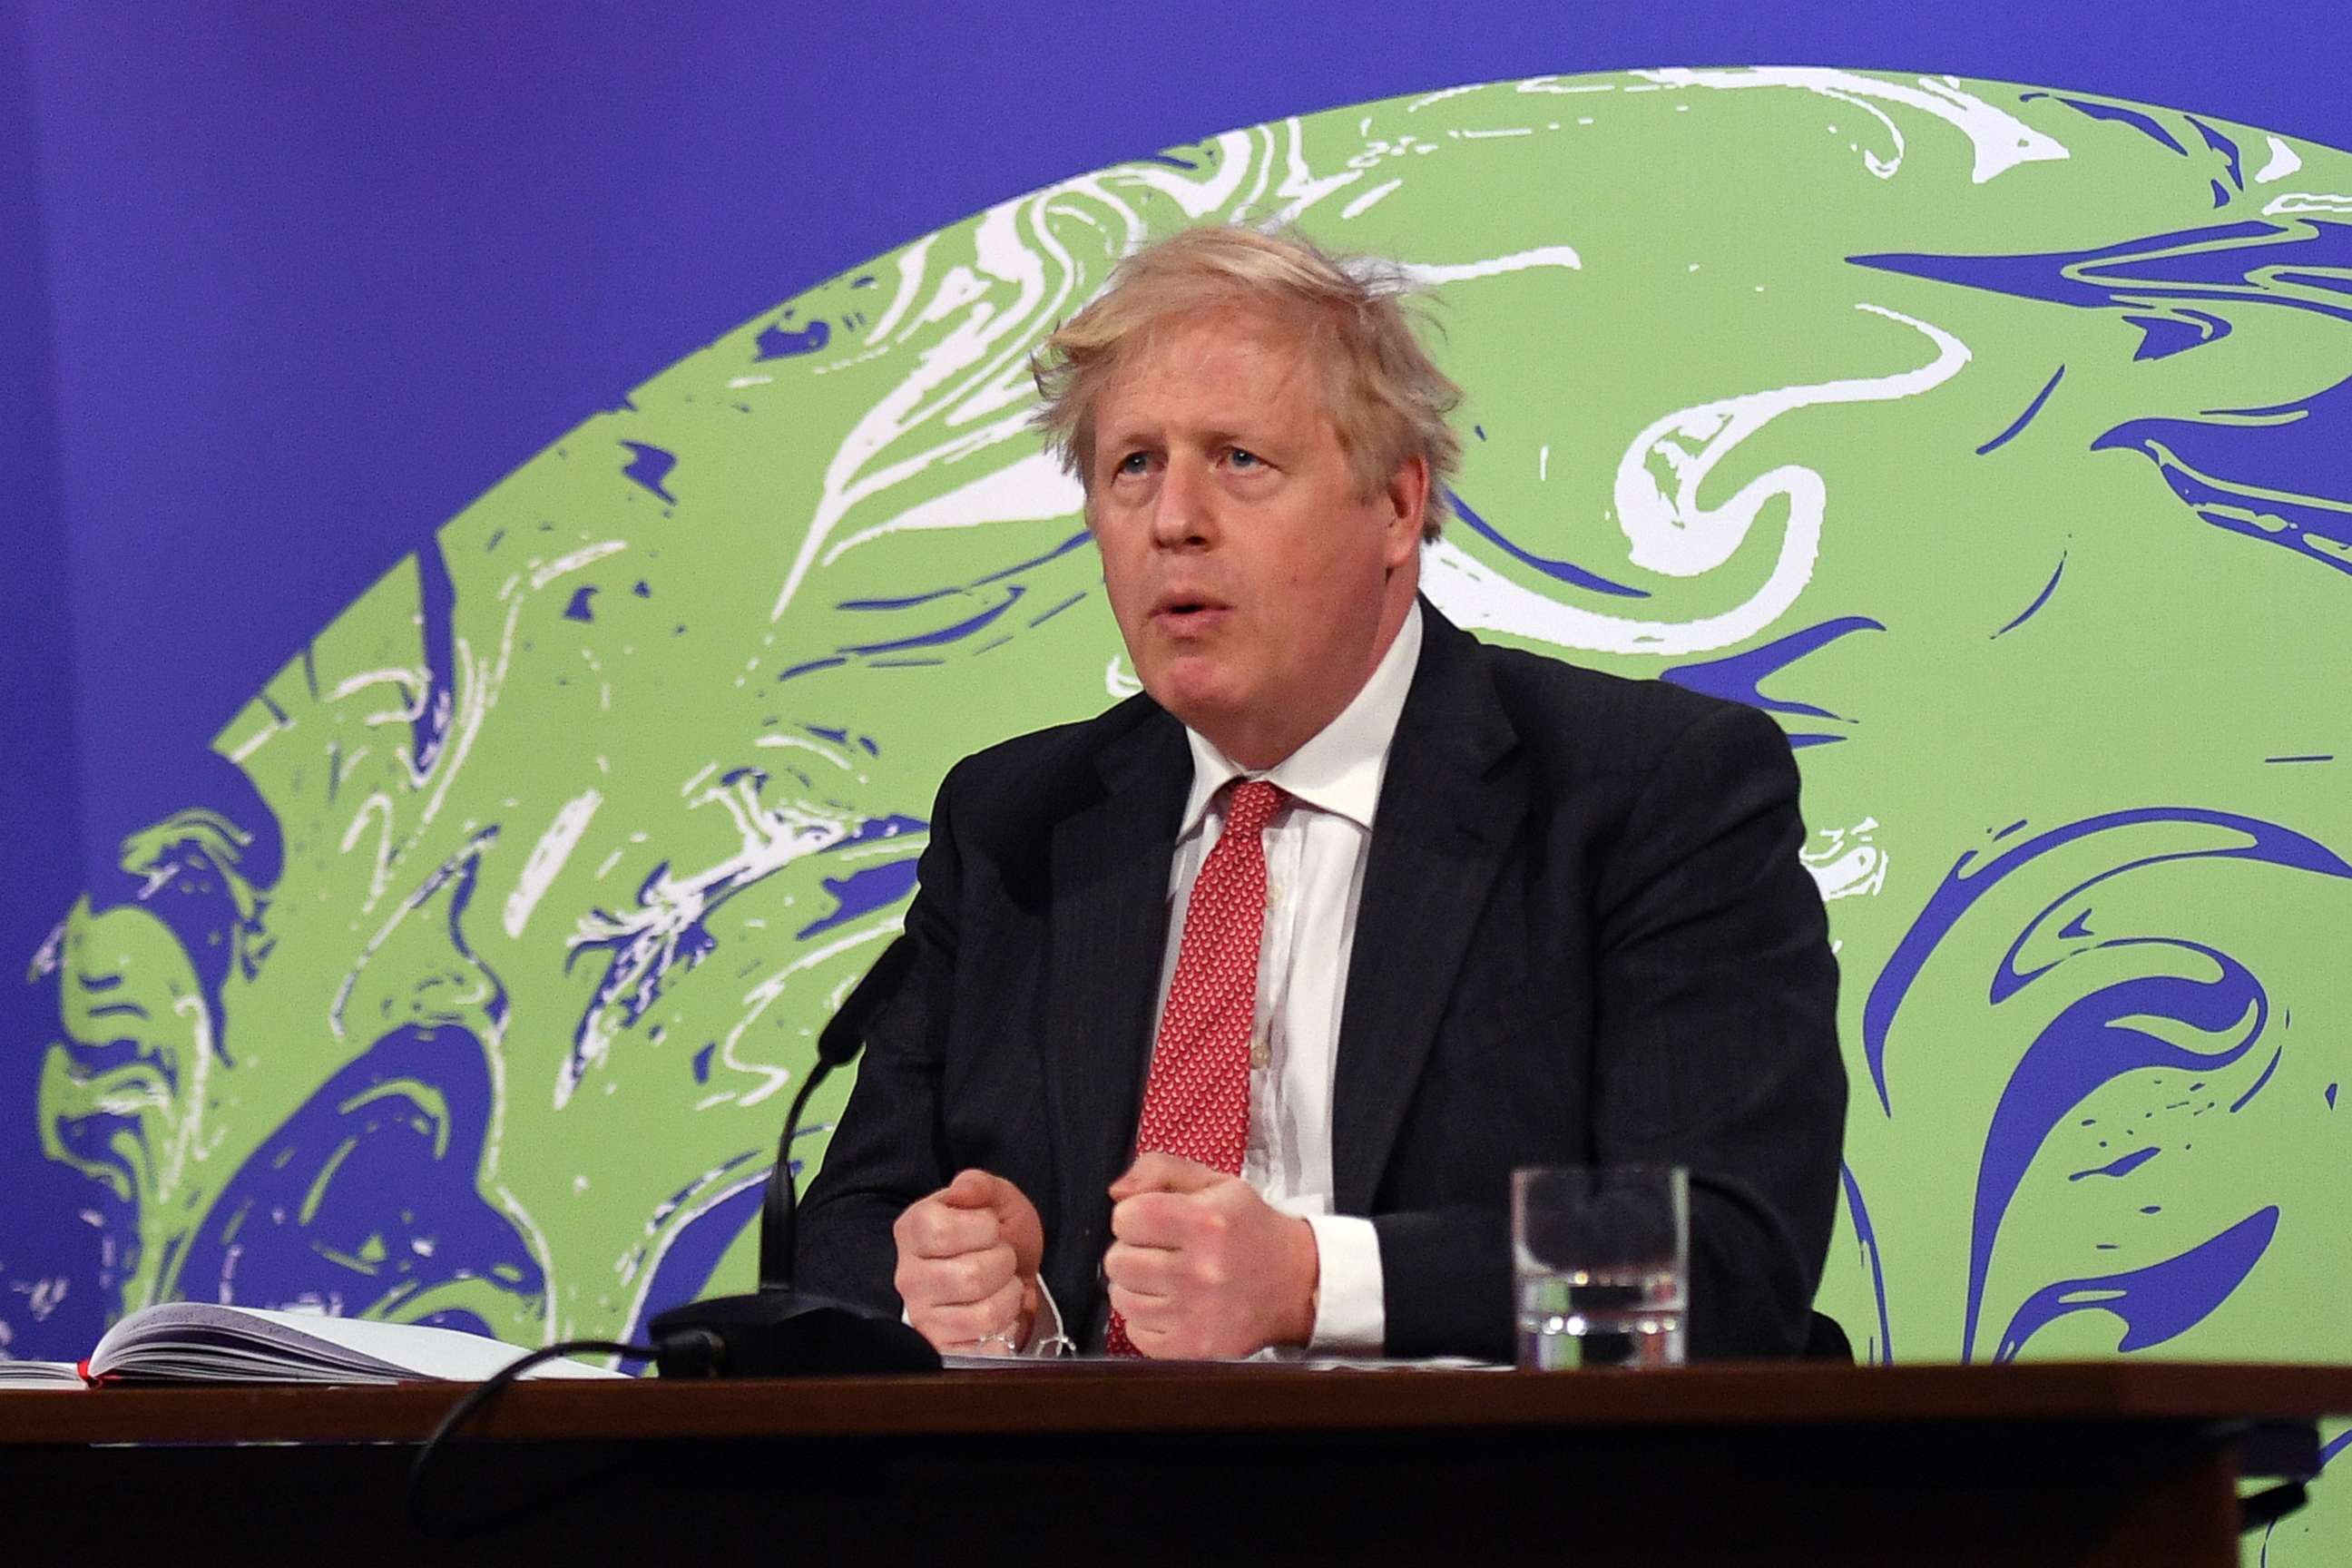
<point x="1996" y="438"/>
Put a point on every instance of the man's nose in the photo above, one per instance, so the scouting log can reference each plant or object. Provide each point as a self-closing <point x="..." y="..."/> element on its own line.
<point x="1184" y="512"/>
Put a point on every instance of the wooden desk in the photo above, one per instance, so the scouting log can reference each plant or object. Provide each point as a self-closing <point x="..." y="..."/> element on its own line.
<point x="2082" y="1463"/>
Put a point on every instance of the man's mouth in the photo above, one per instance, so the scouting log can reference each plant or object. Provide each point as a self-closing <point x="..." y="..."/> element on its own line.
<point x="1187" y="612"/>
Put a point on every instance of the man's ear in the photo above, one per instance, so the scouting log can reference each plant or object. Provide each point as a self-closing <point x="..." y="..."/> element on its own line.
<point x="1407" y="498"/>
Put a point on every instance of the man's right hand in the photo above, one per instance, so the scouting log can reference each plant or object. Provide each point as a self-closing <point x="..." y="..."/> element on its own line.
<point x="968" y="1259"/>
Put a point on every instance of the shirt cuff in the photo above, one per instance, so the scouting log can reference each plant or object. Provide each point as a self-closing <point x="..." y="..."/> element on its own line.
<point x="1350" y="1314"/>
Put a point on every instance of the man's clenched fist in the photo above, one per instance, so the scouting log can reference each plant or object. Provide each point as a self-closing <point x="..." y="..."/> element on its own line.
<point x="1203" y="1267"/>
<point x="968" y="1257"/>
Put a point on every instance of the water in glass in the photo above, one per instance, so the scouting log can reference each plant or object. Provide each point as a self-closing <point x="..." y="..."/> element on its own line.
<point x="1631" y="1319"/>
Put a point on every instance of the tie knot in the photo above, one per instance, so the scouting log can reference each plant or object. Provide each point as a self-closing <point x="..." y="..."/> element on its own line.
<point x="1251" y="805"/>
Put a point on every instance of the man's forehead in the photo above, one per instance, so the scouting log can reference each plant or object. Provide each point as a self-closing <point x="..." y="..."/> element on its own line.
<point x="1239" y="354"/>
<point x="1238" y="325"/>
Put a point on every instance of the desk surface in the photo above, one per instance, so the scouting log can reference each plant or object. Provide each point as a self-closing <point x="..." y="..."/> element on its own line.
<point x="2089" y="1465"/>
<point x="1085" y="1398"/>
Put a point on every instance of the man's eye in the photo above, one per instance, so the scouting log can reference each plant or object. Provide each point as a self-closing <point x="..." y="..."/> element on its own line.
<point x="1243" y="458"/>
<point x="1133" y="463"/>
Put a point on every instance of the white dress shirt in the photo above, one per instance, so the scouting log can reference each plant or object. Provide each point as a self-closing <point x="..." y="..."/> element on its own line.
<point x="1315" y="855"/>
<point x="1316" y="850"/>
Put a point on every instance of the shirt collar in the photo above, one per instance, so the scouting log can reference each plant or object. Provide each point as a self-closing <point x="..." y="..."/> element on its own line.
<point x="1339" y="769"/>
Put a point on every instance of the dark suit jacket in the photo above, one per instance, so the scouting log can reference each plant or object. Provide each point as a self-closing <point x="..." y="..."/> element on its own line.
<point x="1585" y="936"/>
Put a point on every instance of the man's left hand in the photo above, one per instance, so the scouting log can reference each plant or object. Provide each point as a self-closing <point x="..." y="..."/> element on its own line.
<point x="1203" y="1267"/>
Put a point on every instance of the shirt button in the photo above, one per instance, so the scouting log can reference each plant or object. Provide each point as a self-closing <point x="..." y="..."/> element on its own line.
<point x="1261" y="1051"/>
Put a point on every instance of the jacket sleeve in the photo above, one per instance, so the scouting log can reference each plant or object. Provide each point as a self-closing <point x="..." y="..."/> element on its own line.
<point x="1714" y="1045"/>
<point x="887" y="1151"/>
<point x="1716" y="1040"/>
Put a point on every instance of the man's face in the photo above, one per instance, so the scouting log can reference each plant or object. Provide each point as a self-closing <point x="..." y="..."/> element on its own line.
<point x="1255" y="590"/>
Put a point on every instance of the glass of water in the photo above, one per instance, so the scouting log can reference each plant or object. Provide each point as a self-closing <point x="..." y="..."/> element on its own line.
<point x="1602" y="1255"/>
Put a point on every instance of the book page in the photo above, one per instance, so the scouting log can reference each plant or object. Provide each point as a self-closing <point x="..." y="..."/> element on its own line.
<point x="194" y="1341"/>
<point x="25" y="1374"/>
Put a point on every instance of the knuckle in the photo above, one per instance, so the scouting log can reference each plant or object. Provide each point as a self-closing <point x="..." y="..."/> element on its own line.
<point x="946" y="1327"/>
<point x="963" y="1276"/>
<point x="921" y="1283"/>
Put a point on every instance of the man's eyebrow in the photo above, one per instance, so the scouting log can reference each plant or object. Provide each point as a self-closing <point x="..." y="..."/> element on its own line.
<point x="1120" y="439"/>
<point x="1126" y="435"/>
<point x="1214" y="437"/>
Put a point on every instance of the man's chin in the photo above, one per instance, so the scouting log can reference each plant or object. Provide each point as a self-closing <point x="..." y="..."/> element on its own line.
<point x="1197" y="696"/>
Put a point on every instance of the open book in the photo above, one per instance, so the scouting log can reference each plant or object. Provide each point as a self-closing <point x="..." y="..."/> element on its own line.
<point x="190" y="1341"/>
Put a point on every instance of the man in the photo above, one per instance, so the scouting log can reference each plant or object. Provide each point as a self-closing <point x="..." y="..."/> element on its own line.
<point x="1234" y="1007"/>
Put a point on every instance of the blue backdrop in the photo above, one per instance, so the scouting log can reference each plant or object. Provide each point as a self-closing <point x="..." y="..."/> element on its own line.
<point x="283" y="287"/>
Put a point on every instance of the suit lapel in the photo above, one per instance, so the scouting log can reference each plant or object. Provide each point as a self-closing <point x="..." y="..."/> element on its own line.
<point x="1447" y="814"/>
<point x="1107" y="937"/>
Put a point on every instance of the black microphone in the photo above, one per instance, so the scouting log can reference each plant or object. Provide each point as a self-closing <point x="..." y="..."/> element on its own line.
<point x="837" y="1044"/>
<point x="777" y="1331"/>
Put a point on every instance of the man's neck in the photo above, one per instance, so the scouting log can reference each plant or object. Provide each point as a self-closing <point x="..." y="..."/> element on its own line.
<point x="1259" y="750"/>
<point x="1339" y="768"/>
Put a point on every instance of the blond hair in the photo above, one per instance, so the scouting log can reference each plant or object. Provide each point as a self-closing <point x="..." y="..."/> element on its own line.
<point x="1385" y="396"/>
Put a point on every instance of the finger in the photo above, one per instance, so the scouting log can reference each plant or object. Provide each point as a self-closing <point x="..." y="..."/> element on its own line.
<point x="959" y="1327"/>
<point x="1141" y="1271"/>
<point x="933" y="1229"/>
<point x="954" y="1281"/>
<point x="1010" y="1205"/>
<point x="1157" y="1343"/>
<point x="1156" y="1219"/>
<point x="1156" y="1172"/>
<point x="974" y="1190"/>
<point x="1144" y="1314"/>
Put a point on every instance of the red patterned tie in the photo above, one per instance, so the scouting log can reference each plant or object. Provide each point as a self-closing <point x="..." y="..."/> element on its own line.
<point x="1196" y="1102"/>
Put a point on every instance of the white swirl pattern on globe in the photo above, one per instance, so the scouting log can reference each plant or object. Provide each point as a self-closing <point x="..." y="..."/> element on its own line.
<point x="1672" y="532"/>
<point x="981" y="315"/>
<point x="2002" y="140"/>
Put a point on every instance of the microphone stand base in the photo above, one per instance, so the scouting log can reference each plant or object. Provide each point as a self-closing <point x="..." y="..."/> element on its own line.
<point x="785" y="1334"/>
